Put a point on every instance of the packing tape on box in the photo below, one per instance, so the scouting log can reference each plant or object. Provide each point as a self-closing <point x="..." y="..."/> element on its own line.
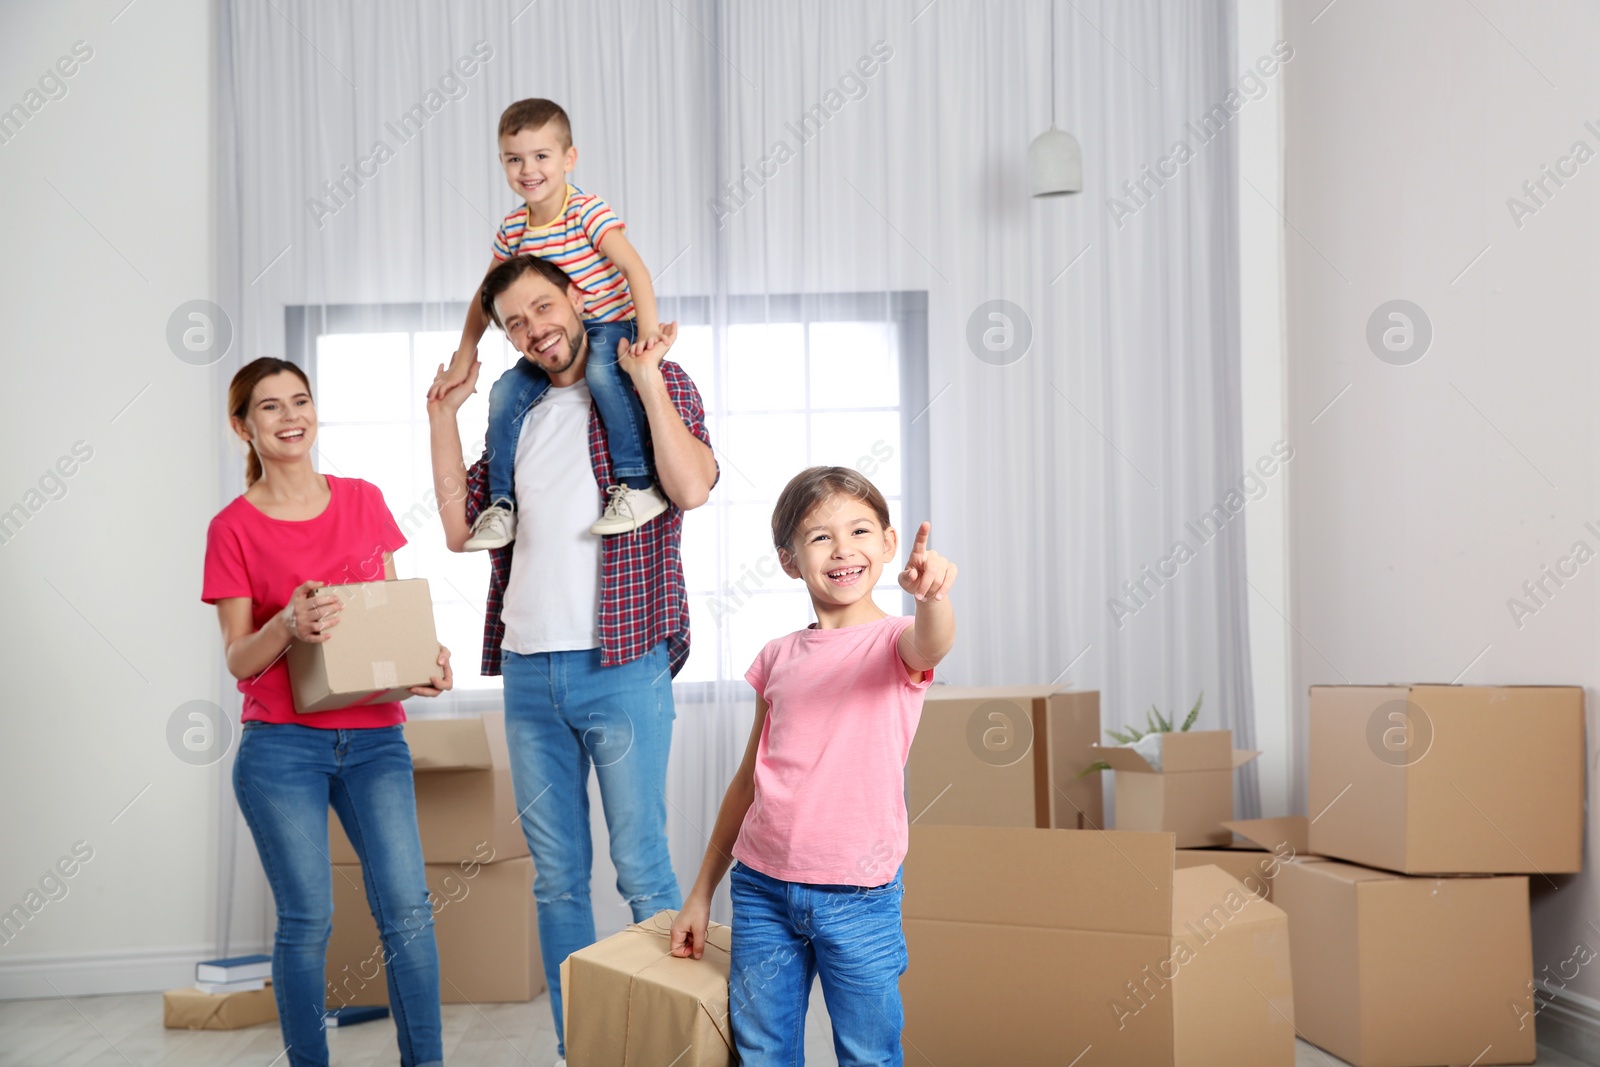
<point x="384" y="674"/>
<point x="376" y="594"/>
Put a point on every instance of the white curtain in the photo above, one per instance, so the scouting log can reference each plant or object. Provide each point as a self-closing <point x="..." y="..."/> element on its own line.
<point x="818" y="174"/>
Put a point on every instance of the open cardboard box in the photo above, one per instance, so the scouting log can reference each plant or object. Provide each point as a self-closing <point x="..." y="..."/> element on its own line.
<point x="1032" y="946"/>
<point x="626" y="1000"/>
<point x="1393" y="970"/>
<point x="1449" y="779"/>
<point x="1266" y="846"/>
<point x="384" y="644"/>
<point x="1005" y="756"/>
<point x="466" y="810"/>
<point x="1191" y="796"/>
<point x="483" y="920"/>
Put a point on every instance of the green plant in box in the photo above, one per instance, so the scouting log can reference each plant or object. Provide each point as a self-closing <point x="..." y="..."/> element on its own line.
<point x="1157" y="723"/>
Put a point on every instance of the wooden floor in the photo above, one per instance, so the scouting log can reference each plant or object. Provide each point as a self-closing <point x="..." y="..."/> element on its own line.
<point x="126" y="1031"/>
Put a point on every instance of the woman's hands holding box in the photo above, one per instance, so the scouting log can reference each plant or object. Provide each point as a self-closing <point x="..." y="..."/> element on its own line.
<point x="447" y="679"/>
<point x="309" y="615"/>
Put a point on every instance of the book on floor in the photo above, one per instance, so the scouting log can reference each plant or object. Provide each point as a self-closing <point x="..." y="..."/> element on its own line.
<point x="233" y="969"/>
<point x="244" y="985"/>
<point x="352" y="1015"/>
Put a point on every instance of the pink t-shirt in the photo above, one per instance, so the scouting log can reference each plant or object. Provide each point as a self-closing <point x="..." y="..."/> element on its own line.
<point x="251" y="554"/>
<point x="830" y="806"/>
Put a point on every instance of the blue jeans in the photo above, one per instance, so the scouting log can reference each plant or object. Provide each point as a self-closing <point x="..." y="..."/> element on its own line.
<point x="564" y="714"/>
<point x="521" y="386"/>
<point x="285" y="777"/>
<point x="785" y="934"/>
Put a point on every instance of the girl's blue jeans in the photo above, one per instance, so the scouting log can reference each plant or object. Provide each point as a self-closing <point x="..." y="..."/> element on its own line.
<point x="787" y="933"/>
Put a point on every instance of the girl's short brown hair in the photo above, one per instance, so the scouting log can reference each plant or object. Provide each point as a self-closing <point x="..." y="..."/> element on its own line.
<point x="813" y="486"/>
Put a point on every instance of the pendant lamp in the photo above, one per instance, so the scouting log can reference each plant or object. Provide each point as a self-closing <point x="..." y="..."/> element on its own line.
<point x="1055" y="162"/>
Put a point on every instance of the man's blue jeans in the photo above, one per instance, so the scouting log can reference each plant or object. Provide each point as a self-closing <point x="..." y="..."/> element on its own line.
<point x="285" y="777"/>
<point x="564" y="714"/>
<point x="787" y="933"/>
<point x="523" y="383"/>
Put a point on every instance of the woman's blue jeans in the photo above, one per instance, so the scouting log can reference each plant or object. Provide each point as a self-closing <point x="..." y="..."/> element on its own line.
<point x="565" y="713"/>
<point x="787" y="933"/>
<point x="285" y="777"/>
<point x="520" y="387"/>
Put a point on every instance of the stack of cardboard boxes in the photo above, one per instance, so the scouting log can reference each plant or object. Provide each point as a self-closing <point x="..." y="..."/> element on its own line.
<point x="1032" y="941"/>
<point x="479" y="874"/>
<point x="1030" y="945"/>
<point x="1431" y="805"/>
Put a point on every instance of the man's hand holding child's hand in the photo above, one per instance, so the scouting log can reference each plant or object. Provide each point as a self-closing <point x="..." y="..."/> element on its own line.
<point x="453" y="374"/>
<point x="649" y="338"/>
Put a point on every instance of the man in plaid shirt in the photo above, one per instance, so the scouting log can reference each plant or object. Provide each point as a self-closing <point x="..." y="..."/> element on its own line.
<point x="587" y="631"/>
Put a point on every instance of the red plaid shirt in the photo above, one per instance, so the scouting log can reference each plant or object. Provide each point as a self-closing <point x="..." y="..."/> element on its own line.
<point x="642" y="595"/>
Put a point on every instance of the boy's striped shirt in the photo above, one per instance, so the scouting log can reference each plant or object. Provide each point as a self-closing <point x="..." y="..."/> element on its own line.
<point x="572" y="242"/>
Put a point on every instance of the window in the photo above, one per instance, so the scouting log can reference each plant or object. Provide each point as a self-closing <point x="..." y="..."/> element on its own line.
<point x="795" y="381"/>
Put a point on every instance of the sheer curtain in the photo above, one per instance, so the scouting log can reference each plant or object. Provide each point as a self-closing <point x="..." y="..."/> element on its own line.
<point x="830" y="196"/>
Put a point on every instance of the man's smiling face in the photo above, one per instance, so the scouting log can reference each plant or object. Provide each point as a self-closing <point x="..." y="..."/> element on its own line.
<point x="542" y="323"/>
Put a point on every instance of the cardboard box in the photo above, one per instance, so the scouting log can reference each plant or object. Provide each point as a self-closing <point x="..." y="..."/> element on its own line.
<point x="1396" y="971"/>
<point x="1449" y="779"/>
<point x="1250" y="867"/>
<point x="483" y="921"/>
<point x="384" y="644"/>
<point x="190" y="1009"/>
<point x="466" y="809"/>
<point x="627" y="1001"/>
<point x="1266" y="845"/>
<point x="1005" y="756"/>
<point x="1033" y="946"/>
<point x="1191" y="796"/>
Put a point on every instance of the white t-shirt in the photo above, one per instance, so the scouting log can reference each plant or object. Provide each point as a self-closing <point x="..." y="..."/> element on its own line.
<point x="552" y="601"/>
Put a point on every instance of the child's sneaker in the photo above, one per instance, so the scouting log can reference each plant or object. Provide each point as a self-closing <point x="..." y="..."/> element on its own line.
<point x="496" y="527"/>
<point x="629" y="509"/>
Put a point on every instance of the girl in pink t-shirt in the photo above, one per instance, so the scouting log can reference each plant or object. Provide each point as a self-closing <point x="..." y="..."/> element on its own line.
<point x="266" y="553"/>
<point x="816" y="815"/>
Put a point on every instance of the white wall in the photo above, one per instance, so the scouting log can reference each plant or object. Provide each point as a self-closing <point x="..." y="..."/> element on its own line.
<point x="1427" y="494"/>
<point x="108" y="228"/>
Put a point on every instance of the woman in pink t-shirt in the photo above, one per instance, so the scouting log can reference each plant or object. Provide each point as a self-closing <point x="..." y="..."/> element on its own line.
<point x="816" y="815"/>
<point x="292" y="531"/>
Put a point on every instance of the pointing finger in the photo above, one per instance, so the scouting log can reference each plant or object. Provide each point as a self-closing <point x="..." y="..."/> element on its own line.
<point x="921" y="544"/>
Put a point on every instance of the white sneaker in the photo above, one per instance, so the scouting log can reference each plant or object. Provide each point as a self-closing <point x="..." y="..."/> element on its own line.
<point x="496" y="528"/>
<point x="562" y="1062"/>
<point x="629" y="509"/>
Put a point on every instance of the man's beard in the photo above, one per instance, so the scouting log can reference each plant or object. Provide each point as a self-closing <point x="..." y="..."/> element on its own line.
<point x="572" y="354"/>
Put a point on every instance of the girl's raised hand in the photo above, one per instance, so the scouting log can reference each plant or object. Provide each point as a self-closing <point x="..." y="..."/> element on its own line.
<point x="928" y="575"/>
